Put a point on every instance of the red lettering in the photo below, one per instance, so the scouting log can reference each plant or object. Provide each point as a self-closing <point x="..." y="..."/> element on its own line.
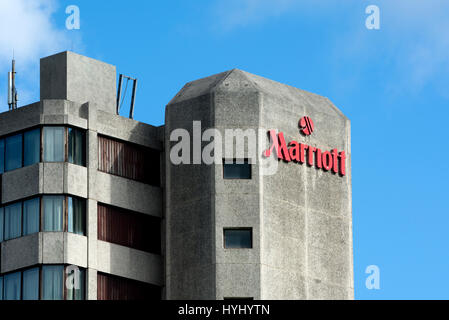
<point x="279" y="145"/>
<point x="310" y="156"/>
<point x="327" y="160"/>
<point x="334" y="160"/>
<point x="318" y="158"/>
<point x="294" y="151"/>
<point x="342" y="163"/>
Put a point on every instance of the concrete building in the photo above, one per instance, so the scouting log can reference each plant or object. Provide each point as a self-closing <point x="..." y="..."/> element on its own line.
<point x="82" y="186"/>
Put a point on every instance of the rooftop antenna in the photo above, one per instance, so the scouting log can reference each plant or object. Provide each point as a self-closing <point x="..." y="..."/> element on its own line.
<point x="12" y="92"/>
<point x="119" y="94"/>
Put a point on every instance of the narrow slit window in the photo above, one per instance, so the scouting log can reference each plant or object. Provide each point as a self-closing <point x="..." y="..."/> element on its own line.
<point x="76" y="216"/>
<point x="77" y="147"/>
<point x="238" y="238"/>
<point x="236" y="169"/>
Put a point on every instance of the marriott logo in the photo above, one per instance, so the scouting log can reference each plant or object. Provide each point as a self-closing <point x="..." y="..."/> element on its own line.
<point x="294" y="151"/>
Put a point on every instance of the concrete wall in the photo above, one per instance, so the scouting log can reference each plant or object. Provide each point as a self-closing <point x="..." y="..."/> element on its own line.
<point x="190" y="232"/>
<point x="85" y="182"/>
<point x="44" y="248"/>
<point x="73" y="77"/>
<point x="301" y="216"/>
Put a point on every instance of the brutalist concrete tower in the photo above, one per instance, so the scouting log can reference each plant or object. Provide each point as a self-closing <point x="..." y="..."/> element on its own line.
<point x="233" y="231"/>
<point x="80" y="191"/>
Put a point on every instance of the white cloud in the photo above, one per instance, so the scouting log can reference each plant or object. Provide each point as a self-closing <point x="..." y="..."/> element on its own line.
<point x="413" y="40"/>
<point x="421" y="28"/>
<point x="26" y="27"/>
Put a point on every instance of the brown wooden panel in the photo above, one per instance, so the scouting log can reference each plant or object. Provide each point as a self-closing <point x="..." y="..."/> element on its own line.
<point x="111" y="287"/>
<point x="128" y="160"/>
<point x="130" y="229"/>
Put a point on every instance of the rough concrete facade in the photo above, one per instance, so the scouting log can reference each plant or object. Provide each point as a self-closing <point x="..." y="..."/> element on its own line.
<point x="80" y="92"/>
<point x="300" y="216"/>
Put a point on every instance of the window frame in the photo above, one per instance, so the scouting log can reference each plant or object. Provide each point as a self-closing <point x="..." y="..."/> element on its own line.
<point x="250" y="229"/>
<point x="21" y="134"/>
<point x="246" y="161"/>
<point x="41" y="215"/>
<point x="40" y="277"/>
<point x="41" y="147"/>
<point x="40" y="144"/>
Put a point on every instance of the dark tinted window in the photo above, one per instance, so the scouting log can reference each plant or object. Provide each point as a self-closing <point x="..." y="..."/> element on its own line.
<point x="30" y="286"/>
<point x="13" y="152"/>
<point x="77" y="147"/>
<point x="2" y="156"/>
<point x="31" y="216"/>
<point x="238" y="238"/>
<point x="31" y="147"/>
<point x="13" y="221"/>
<point x="1" y="288"/>
<point x="76" y="219"/>
<point x="236" y="169"/>
<point x="2" y="217"/>
<point x="12" y="285"/>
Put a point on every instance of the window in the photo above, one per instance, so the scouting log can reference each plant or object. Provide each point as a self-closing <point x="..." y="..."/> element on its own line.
<point x="238" y="238"/>
<point x="2" y="156"/>
<point x="30" y="289"/>
<point x="31" y="216"/>
<point x="78" y="290"/>
<point x="12" y="284"/>
<point x="77" y="147"/>
<point x="24" y="149"/>
<point x="130" y="229"/>
<point x="53" y="144"/>
<point x="129" y="160"/>
<point x="13" y="221"/>
<point x="13" y="152"/>
<point x="76" y="215"/>
<point x="52" y="282"/>
<point x="47" y="282"/>
<point x="236" y="169"/>
<point x="2" y="217"/>
<point x="53" y="213"/>
<point x="57" y="213"/>
<point x="31" y="147"/>
<point x="1" y="288"/>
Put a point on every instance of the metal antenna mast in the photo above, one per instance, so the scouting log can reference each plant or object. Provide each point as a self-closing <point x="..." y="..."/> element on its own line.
<point x="12" y="92"/>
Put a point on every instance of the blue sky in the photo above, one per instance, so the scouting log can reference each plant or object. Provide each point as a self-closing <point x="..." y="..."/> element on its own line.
<point x="392" y="83"/>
